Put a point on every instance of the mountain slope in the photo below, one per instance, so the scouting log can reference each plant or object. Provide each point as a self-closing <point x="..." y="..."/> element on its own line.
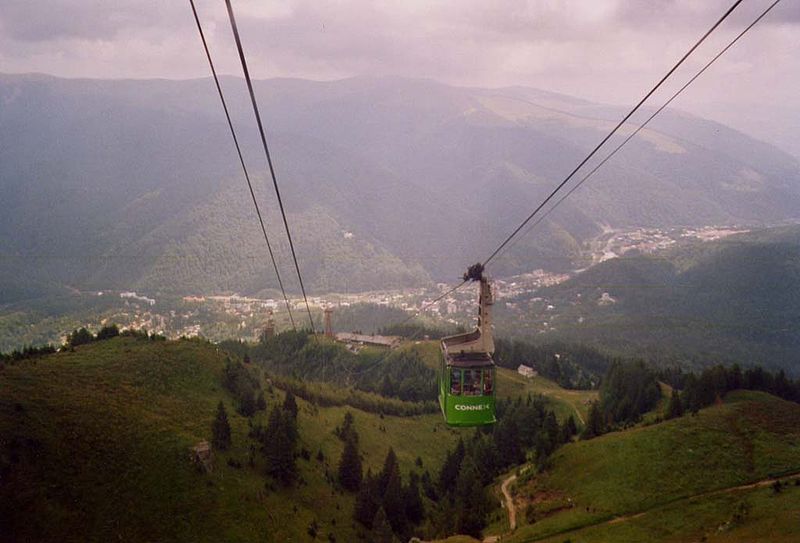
<point x="99" y="177"/>
<point x="732" y="300"/>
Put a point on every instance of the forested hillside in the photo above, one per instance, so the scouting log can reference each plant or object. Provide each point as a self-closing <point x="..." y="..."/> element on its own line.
<point x="388" y="182"/>
<point x="733" y="300"/>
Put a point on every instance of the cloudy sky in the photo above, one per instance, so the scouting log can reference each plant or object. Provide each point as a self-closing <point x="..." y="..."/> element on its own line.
<point x="605" y="50"/>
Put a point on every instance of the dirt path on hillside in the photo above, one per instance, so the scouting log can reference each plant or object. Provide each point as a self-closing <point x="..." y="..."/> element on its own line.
<point x="512" y="512"/>
<point x="625" y="518"/>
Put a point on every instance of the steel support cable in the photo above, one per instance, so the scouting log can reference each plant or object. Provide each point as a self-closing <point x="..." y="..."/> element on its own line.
<point x="241" y="159"/>
<point x="243" y="60"/>
<point x="610" y="134"/>
<point x="646" y="122"/>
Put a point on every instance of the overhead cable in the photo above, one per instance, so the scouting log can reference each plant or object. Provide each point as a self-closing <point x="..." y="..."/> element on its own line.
<point x="241" y="160"/>
<point x="610" y="134"/>
<point x="646" y="122"/>
<point x="243" y="60"/>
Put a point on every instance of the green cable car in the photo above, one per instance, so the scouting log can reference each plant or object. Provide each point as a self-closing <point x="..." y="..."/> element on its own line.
<point x="467" y="376"/>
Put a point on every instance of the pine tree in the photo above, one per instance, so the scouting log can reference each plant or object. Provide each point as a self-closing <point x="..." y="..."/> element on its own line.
<point x="387" y="387"/>
<point x="412" y="500"/>
<point x="675" y="407"/>
<point x="350" y="466"/>
<point x="261" y="402"/>
<point x="348" y="430"/>
<point x="449" y="471"/>
<point x="368" y="500"/>
<point x="79" y="337"/>
<point x="381" y="529"/>
<point x="390" y="469"/>
<point x="595" y="425"/>
<point x="290" y="404"/>
<point x="506" y="436"/>
<point x="221" y="429"/>
<point x="428" y="487"/>
<point x="551" y="428"/>
<point x="394" y="504"/>
<point x="247" y="405"/>
<point x="278" y="443"/>
<point x="484" y="452"/>
<point x="472" y="503"/>
<point x="107" y="332"/>
<point x="568" y="430"/>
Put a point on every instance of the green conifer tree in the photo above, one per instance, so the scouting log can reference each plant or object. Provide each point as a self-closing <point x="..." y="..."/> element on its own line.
<point x="368" y="500"/>
<point x="279" y="441"/>
<point x="290" y="404"/>
<point x="595" y="426"/>
<point x="381" y="529"/>
<point x="568" y="430"/>
<point x="261" y="401"/>
<point x="472" y="503"/>
<point x="675" y="407"/>
<point x="221" y="429"/>
<point x="350" y="466"/>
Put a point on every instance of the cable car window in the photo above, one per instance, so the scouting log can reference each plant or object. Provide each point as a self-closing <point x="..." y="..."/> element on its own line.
<point x="455" y="381"/>
<point x="472" y="382"/>
<point x="487" y="382"/>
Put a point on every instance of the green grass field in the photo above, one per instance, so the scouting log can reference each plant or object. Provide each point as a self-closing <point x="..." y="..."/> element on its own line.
<point x="668" y="471"/>
<point x="94" y="445"/>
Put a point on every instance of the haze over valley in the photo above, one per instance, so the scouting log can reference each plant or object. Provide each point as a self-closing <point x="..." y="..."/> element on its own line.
<point x="495" y="303"/>
<point x="391" y="182"/>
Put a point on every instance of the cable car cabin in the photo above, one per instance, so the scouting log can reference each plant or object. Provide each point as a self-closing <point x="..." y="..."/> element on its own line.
<point x="467" y="376"/>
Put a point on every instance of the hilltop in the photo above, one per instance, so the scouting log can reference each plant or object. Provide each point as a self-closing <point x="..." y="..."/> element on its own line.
<point x="387" y="181"/>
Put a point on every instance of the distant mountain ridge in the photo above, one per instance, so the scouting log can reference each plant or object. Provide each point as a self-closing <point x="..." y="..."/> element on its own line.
<point x="388" y="181"/>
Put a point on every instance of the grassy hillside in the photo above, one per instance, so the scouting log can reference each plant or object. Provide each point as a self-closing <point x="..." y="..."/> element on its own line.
<point x="673" y="481"/>
<point x="95" y="446"/>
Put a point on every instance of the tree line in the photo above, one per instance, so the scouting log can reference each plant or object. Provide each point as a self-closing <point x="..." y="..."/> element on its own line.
<point x="571" y="366"/>
<point x="79" y="336"/>
<point x="628" y="390"/>
<point x="703" y="390"/>
<point x="631" y="389"/>
<point x="400" y="374"/>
